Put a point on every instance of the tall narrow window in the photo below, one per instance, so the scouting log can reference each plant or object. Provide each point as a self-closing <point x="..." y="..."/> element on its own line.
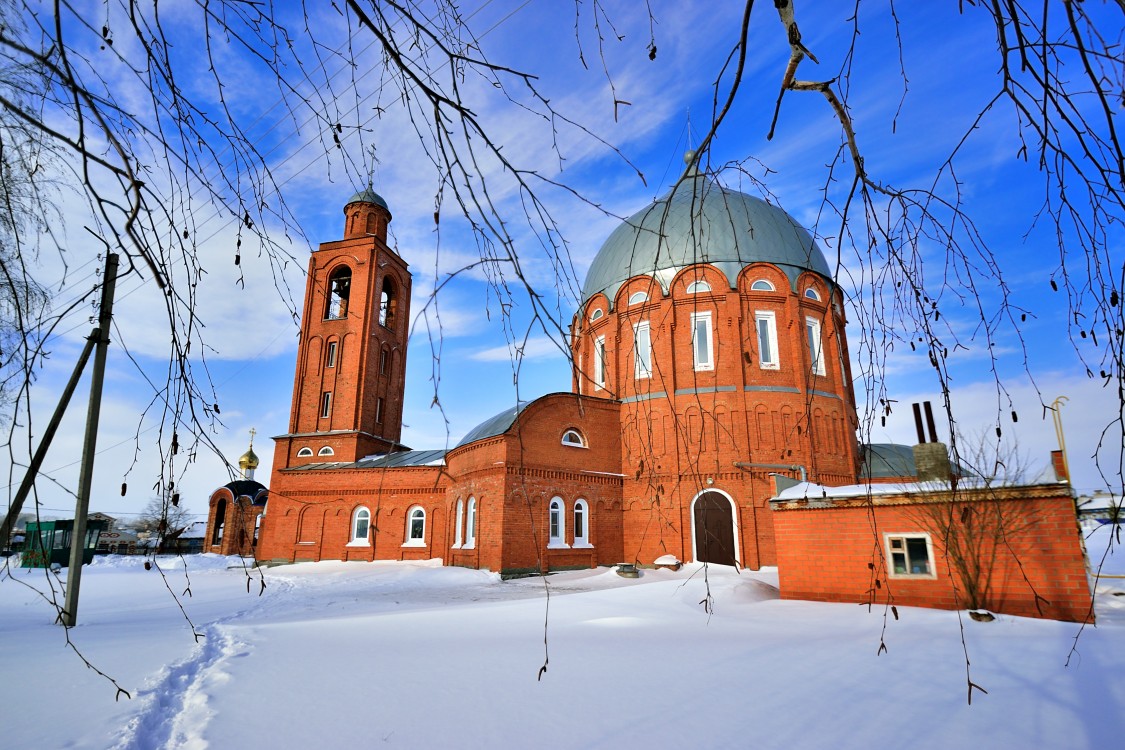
<point x="379" y="410"/>
<point x="220" y="521"/>
<point x="339" y="290"/>
<point x="460" y="524"/>
<point x="701" y="345"/>
<point x="556" y="524"/>
<point x="581" y="524"/>
<point x="330" y="357"/>
<point x="361" y="524"/>
<point x="642" y="350"/>
<point x="326" y="404"/>
<point x="415" y="528"/>
<point x="599" y="362"/>
<point x="766" y="324"/>
<point x="383" y="356"/>
<point x="387" y="303"/>
<point x="816" y="355"/>
<point x="471" y="525"/>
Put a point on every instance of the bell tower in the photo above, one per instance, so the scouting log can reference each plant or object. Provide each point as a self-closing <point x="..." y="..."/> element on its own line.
<point x="351" y="359"/>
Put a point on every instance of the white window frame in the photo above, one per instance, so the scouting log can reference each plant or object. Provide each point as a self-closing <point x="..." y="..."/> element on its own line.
<point x="699" y="286"/>
<point x="582" y="523"/>
<point x="707" y="360"/>
<point x="773" y="362"/>
<point x="326" y="404"/>
<point x="642" y="355"/>
<point x="358" y="540"/>
<point x="638" y="298"/>
<point x="384" y="355"/>
<point x="600" y="369"/>
<point x="304" y="452"/>
<point x="816" y="345"/>
<point x="458" y="527"/>
<point x="471" y="525"/>
<point x="415" y="541"/>
<point x="326" y="451"/>
<point x="576" y="440"/>
<point x="379" y="410"/>
<point x="596" y="314"/>
<point x="812" y="294"/>
<point x="330" y="357"/>
<point x="890" y="537"/>
<point x="556" y="524"/>
<point x="762" y="285"/>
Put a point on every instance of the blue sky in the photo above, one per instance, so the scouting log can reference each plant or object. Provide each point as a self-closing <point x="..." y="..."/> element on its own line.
<point x="906" y="131"/>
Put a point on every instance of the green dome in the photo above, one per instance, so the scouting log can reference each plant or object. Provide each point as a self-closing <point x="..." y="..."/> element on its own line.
<point x="701" y="222"/>
<point x="368" y="196"/>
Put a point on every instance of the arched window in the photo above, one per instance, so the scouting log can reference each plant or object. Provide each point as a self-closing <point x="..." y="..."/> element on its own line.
<point x="471" y="525"/>
<point x="812" y="294"/>
<point x="304" y="452"/>
<point x="361" y="526"/>
<point x="581" y="524"/>
<point x="339" y="290"/>
<point x="596" y="314"/>
<point x="761" y="285"/>
<point x="556" y="520"/>
<point x="326" y="451"/>
<point x="573" y="438"/>
<point x="371" y="225"/>
<point x="637" y="298"/>
<point x="698" y="287"/>
<point x="220" y="521"/>
<point x="460" y="523"/>
<point x="415" y="528"/>
<point x="257" y="527"/>
<point x="387" y="303"/>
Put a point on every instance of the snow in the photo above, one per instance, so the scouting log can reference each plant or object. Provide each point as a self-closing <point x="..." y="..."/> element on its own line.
<point x="416" y="655"/>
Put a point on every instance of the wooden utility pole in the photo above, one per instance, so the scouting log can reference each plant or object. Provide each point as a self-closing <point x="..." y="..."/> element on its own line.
<point x="69" y="615"/>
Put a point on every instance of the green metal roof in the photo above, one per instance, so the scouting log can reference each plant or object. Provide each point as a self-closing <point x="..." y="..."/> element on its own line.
<point x="699" y="221"/>
<point x="494" y="426"/>
<point x="368" y="196"/>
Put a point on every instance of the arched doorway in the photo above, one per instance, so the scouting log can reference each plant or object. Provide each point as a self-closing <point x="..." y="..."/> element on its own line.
<point x="713" y="529"/>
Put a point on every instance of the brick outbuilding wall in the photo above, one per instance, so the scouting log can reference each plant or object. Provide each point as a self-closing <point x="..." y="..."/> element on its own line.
<point x="836" y="549"/>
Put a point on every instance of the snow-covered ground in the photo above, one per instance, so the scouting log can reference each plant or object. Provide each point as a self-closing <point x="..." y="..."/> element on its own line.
<point x="420" y="656"/>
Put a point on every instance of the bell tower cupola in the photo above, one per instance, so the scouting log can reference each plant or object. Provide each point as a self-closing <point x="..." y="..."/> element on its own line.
<point x="351" y="360"/>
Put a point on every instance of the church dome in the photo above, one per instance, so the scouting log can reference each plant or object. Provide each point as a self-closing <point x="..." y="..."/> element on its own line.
<point x="699" y="221"/>
<point x="248" y="460"/>
<point x="368" y="196"/>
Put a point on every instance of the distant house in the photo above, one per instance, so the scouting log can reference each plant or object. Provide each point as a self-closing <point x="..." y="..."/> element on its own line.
<point x="118" y="542"/>
<point x="48" y="542"/>
<point x="1101" y="506"/>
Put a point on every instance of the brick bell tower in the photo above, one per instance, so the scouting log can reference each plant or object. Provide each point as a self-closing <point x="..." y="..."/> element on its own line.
<point x="351" y="360"/>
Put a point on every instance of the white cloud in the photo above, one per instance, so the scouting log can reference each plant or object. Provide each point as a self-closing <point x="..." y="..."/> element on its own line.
<point x="535" y="347"/>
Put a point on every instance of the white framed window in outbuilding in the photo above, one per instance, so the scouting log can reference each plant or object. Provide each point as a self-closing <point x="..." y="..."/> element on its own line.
<point x="573" y="438"/>
<point x="909" y="555"/>
<point x="816" y="345"/>
<point x="642" y="351"/>
<point x="415" y="528"/>
<point x="361" y="527"/>
<point x="765" y="323"/>
<point x="556" y="525"/>
<point x="702" y="346"/>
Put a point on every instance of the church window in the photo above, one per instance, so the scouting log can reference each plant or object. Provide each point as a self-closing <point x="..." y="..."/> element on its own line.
<point x="415" y="528"/>
<point x="460" y="523"/>
<point x="379" y="410"/>
<point x="384" y="355"/>
<point x="330" y="356"/>
<point x="812" y="294"/>
<point x="573" y="438"/>
<point x="816" y="355"/>
<point x="581" y="524"/>
<point x="339" y="290"/>
<point x="326" y="451"/>
<point x="387" y="304"/>
<point x="371" y="226"/>
<point x="220" y="521"/>
<point x="762" y="285"/>
<point x="698" y="287"/>
<point x="642" y="350"/>
<point x="910" y="556"/>
<point x="258" y="526"/>
<point x="471" y="525"/>
<point x="361" y="525"/>
<point x="326" y="404"/>
<point x="766" y="325"/>
<point x="637" y="298"/>
<point x="599" y="362"/>
<point x="304" y="452"/>
<point x="556" y="525"/>
<point x="596" y="314"/>
<point x="701" y="344"/>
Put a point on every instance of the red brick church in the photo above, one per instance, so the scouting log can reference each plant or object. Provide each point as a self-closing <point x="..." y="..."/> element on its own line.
<point x="710" y="371"/>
